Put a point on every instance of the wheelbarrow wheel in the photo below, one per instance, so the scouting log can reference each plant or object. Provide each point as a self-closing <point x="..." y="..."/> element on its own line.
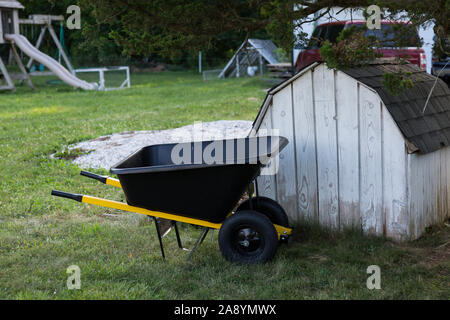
<point x="248" y="237"/>
<point x="270" y="208"/>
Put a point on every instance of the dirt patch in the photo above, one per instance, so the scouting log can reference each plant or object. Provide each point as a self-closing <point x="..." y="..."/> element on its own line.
<point x="71" y="153"/>
<point x="102" y="138"/>
<point x="436" y="253"/>
<point x="437" y="256"/>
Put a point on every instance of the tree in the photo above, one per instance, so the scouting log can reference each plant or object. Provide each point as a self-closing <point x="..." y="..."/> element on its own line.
<point x="90" y="45"/>
<point x="172" y="26"/>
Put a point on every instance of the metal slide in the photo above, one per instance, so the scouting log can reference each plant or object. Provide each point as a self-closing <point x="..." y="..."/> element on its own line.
<point x="49" y="62"/>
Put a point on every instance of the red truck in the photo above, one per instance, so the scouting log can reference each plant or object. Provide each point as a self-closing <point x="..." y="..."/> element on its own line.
<point x="330" y="31"/>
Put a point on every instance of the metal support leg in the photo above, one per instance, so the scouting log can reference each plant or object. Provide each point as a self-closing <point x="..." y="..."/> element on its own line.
<point x="250" y="197"/>
<point x="204" y="236"/>
<point x="205" y="229"/>
<point x="128" y="77"/>
<point x="256" y="192"/>
<point x="101" y="75"/>
<point x="177" y="233"/>
<point x="159" y="237"/>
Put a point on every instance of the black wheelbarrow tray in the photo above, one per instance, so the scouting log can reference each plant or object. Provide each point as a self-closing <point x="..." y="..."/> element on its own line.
<point x="200" y="183"/>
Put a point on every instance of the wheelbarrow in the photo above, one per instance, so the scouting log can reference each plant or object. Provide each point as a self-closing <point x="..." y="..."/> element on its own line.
<point x="200" y="183"/>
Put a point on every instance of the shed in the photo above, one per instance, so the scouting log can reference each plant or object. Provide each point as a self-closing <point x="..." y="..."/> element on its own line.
<point x="359" y="156"/>
<point x="251" y="52"/>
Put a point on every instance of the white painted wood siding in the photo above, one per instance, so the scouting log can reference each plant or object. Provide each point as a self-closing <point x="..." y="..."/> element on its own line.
<point x="371" y="157"/>
<point x="326" y="146"/>
<point x="348" y="149"/>
<point x="282" y="120"/>
<point x="395" y="171"/>
<point x="429" y="190"/>
<point x="305" y="147"/>
<point x="267" y="183"/>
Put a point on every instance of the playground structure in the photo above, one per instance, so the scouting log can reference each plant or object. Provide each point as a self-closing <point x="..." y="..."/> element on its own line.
<point x="10" y="34"/>
<point x="46" y="24"/>
<point x="250" y="56"/>
<point x="9" y="25"/>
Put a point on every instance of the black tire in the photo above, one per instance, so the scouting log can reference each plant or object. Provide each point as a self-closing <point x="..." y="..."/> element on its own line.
<point x="248" y="237"/>
<point x="270" y="208"/>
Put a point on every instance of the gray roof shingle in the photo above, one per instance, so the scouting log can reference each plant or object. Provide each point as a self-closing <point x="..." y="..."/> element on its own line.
<point x="428" y="131"/>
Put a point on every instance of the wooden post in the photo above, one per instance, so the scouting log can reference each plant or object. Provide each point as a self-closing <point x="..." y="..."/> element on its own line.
<point x="5" y="73"/>
<point x="21" y="66"/>
<point x="260" y="64"/>
<point x="60" y="48"/>
<point x="199" y="62"/>
<point x="15" y="17"/>
<point x="2" y="40"/>
<point x="10" y="56"/>
<point x="38" y="44"/>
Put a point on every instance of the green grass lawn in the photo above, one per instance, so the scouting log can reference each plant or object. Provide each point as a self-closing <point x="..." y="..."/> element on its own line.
<point x="40" y="236"/>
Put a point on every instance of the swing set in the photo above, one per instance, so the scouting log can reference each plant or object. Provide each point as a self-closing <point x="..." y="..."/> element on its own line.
<point x="28" y="27"/>
<point x="45" y="22"/>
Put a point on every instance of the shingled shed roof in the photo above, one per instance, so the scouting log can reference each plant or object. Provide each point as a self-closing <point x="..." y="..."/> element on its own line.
<point x="428" y="131"/>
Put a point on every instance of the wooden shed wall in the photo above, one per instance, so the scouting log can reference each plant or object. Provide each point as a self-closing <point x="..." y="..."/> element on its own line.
<point x="346" y="163"/>
<point x="429" y="191"/>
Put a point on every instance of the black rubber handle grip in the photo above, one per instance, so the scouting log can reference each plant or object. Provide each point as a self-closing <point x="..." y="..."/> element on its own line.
<point x="73" y="196"/>
<point x="94" y="176"/>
